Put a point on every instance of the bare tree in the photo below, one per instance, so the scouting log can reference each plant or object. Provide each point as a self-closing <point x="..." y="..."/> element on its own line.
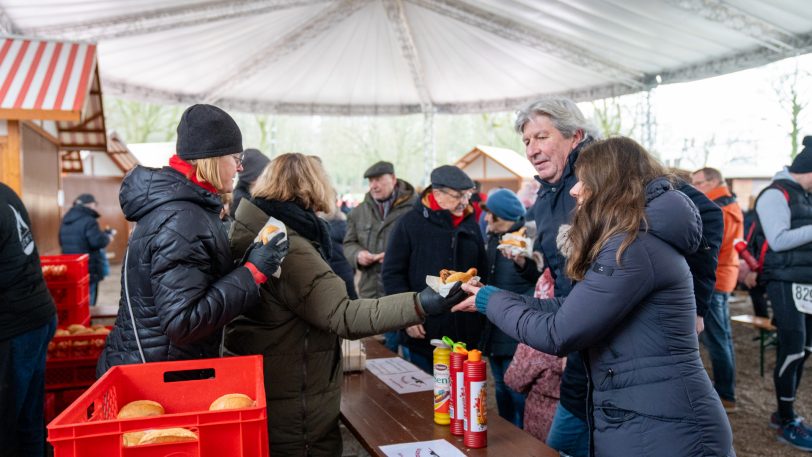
<point x="609" y="115"/>
<point x="141" y="122"/>
<point x="791" y="90"/>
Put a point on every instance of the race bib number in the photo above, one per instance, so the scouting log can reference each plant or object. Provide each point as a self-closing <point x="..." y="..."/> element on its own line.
<point x="802" y="294"/>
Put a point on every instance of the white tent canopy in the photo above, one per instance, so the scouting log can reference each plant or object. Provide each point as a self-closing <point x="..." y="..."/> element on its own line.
<point x="361" y="57"/>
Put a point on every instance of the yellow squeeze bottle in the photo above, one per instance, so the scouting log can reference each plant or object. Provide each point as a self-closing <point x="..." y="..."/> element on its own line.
<point x="442" y="382"/>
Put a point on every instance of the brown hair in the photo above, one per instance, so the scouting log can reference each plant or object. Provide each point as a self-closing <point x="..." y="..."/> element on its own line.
<point x="614" y="173"/>
<point x="296" y="178"/>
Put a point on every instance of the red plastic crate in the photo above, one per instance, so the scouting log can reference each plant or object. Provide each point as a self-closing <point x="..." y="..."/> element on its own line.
<point x="89" y="428"/>
<point x="57" y="401"/>
<point x="69" y="293"/>
<point x="70" y="373"/>
<point x="76" y="264"/>
<point x="72" y="302"/>
<point x="76" y="346"/>
<point x="71" y="361"/>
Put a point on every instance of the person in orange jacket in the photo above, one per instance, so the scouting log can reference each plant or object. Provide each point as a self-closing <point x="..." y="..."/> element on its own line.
<point x="717" y="335"/>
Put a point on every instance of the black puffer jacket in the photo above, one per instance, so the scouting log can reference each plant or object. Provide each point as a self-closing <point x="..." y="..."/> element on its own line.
<point x="422" y="243"/>
<point x="634" y="322"/>
<point x="25" y="302"/>
<point x="703" y="262"/>
<point x="182" y="284"/>
<point x="80" y="233"/>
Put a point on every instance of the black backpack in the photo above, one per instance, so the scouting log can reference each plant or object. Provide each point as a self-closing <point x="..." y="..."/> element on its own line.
<point x="756" y="240"/>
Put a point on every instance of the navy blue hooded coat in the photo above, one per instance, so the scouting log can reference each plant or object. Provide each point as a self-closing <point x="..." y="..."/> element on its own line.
<point x="80" y="233"/>
<point x="634" y="323"/>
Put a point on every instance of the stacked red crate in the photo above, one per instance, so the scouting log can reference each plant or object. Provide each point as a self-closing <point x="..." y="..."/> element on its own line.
<point x="68" y="280"/>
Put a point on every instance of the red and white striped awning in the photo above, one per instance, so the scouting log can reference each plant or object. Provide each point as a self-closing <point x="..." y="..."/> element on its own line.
<point x="54" y="81"/>
<point x="45" y="80"/>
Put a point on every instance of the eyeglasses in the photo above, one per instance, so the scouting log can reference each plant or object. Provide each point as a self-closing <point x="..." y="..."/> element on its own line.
<point x="458" y="195"/>
<point x="238" y="158"/>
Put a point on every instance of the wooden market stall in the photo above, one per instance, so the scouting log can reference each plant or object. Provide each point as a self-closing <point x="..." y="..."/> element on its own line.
<point x="496" y="167"/>
<point x="50" y="104"/>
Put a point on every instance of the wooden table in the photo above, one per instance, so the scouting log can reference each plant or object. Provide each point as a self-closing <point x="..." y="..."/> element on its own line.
<point x="378" y="416"/>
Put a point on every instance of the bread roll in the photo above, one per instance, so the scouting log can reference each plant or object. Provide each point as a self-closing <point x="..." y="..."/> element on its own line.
<point x="461" y="276"/>
<point x="73" y="328"/>
<point x="133" y="438"/>
<point x="267" y="233"/>
<point x="140" y="408"/>
<point x="102" y="331"/>
<point x="519" y="243"/>
<point x="232" y="401"/>
<point x="167" y="435"/>
<point x="61" y="332"/>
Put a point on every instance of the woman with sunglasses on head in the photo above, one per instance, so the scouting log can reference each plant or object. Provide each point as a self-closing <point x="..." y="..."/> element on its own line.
<point x="180" y="286"/>
<point x="632" y="312"/>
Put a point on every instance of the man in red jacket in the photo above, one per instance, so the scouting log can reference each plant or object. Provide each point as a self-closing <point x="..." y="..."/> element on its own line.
<point x="717" y="336"/>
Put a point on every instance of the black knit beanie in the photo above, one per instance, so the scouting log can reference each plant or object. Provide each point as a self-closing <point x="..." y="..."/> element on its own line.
<point x="207" y="131"/>
<point x="253" y="162"/>
<point x="803" y="161"/>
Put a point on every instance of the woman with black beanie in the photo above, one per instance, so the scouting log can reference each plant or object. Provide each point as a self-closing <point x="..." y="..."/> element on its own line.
<point x="180" y="286"/>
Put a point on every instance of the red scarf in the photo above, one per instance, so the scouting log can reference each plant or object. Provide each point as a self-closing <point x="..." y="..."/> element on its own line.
<point x="186" y="169"/>
<point x="455" y="220"/>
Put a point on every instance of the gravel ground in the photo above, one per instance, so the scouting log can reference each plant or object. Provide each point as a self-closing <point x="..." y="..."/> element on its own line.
<point x="756" y="395"/>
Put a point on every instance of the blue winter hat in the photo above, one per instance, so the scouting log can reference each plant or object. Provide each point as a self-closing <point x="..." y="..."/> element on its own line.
<point x="504" y="204"/>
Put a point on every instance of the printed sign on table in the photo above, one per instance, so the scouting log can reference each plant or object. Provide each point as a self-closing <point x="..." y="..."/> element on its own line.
<point x="400" y="375"/>
<point x="436" y="448"/>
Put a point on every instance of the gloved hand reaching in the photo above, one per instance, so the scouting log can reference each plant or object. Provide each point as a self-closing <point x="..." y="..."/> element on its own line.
<point x="434" y="303"/>
<point x="267" y="257"/>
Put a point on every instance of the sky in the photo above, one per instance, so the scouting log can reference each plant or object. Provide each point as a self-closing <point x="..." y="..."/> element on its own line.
<point x="739" y="116"/>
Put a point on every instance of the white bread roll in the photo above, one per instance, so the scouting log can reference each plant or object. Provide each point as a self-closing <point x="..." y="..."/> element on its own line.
<point x="140" y="408"/>
<point x="231" y="401"/>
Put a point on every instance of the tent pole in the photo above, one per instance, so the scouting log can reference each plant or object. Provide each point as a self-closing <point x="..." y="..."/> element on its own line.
<point x="429" y="151"/>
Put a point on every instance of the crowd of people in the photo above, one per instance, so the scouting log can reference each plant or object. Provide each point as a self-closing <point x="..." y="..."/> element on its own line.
<point x="592" y="337"/>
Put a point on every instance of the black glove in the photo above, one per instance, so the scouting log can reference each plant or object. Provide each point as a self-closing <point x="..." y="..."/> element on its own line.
<point x="434" y="303"/>
<point x="268" y="257"/>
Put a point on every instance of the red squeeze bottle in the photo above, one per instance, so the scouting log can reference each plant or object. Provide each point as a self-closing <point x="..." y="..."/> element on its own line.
<point x="741" y="247"/>
<point x="457" y="408"/>
<point x="475" y="434"/>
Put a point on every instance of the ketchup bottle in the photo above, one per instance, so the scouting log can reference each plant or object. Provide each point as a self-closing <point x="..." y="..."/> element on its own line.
<point x="475" y="434"/>
<point x="457" y="408"/>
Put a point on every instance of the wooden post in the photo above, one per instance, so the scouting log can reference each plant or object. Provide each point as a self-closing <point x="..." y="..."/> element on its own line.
<point x="11" y="166"/>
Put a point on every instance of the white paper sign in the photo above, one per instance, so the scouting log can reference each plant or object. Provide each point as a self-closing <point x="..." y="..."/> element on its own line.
<point x="400" y="375"/>
<point x="802" y="294"/>
<point x="436" y="448"/>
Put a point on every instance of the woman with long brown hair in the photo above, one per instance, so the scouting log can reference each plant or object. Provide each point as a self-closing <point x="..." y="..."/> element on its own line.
<point x="632" y="312"/>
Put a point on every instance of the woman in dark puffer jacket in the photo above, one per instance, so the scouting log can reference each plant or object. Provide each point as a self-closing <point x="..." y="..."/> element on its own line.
<point x="631" y="314"/>
<point x="179" y="284"/>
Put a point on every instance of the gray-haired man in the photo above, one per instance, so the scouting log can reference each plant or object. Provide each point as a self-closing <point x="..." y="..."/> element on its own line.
<point x="554" y="131"/>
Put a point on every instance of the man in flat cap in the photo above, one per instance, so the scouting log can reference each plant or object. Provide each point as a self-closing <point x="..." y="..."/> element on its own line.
<point x="440" y="232"/>
<point x="368" y="228"/>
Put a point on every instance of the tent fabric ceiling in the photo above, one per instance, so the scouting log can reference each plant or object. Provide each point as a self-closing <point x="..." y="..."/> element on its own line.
<point x="362" y="57"/>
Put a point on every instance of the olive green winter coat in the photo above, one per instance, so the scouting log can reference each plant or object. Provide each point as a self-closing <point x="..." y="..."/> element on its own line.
<point x="368" y="230"/>
<point x="296" y="327"/>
